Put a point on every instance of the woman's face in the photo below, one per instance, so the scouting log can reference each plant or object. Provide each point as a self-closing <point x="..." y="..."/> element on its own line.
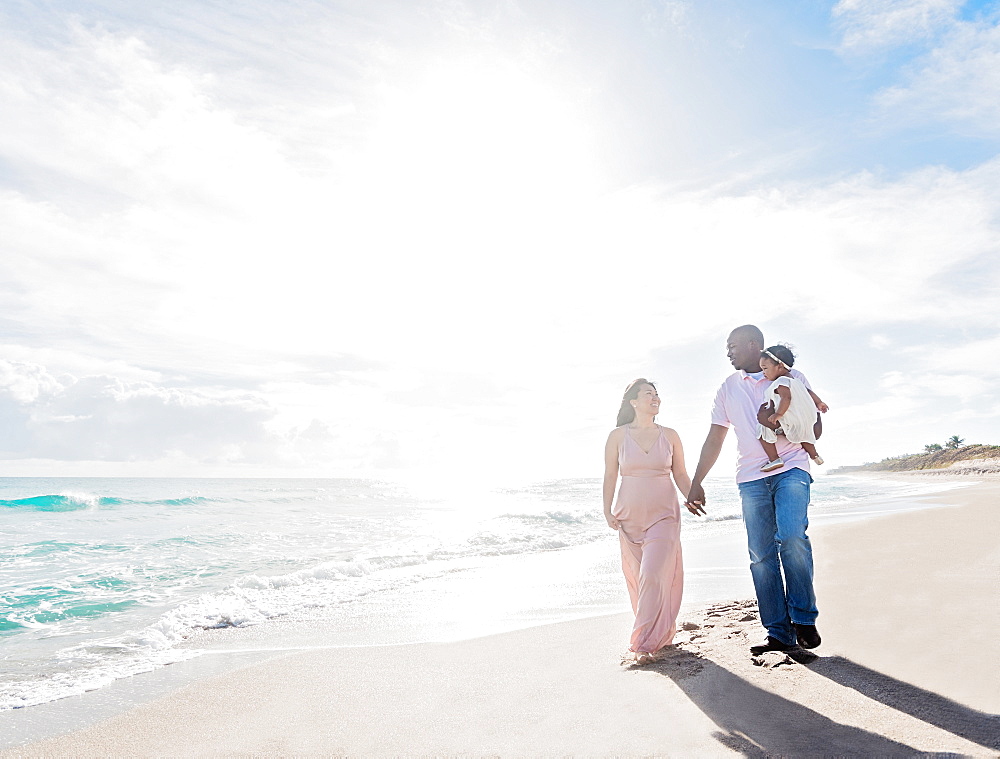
<point x="648" y="400"/>
<point x="772" y="370"/>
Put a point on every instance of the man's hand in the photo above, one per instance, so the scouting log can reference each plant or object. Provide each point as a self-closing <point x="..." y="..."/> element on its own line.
<point x="696" y="499"/>
<point x="764" y="414"/>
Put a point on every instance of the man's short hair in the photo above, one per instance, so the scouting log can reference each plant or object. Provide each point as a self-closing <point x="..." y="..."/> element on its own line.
<point x="750" y="333"/>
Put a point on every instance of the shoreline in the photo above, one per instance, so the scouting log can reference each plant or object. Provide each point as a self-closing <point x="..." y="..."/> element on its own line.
<point x="715" y="567"/>
<point x="508" y="693"/>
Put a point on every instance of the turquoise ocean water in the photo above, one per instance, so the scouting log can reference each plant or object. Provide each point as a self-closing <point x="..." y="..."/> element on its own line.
<point x="102" y="579"/>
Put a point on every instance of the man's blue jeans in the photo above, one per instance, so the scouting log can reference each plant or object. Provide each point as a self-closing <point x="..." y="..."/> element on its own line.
<point x="774" y="513"/>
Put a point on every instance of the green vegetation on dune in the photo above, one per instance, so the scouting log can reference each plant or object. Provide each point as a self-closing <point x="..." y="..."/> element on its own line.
<point x="934" y="457"/>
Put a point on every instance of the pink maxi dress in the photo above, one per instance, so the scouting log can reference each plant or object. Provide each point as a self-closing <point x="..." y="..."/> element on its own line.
<point x="650" y="536"/>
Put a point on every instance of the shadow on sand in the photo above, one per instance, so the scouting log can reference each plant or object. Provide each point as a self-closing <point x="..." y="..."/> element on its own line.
<point x="932" y="708"/>
<point x="758" y="723"/>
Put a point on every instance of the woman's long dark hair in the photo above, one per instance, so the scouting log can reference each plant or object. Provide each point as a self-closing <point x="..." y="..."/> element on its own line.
<point x="626" y="414"/>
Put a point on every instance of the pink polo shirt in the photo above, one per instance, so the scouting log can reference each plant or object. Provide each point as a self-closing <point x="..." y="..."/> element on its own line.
<point x="736" y="405"/>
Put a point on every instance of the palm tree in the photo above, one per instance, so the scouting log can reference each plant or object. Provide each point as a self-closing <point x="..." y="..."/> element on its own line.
<point x="932" y="448"/>
<point x="954" y="442"/>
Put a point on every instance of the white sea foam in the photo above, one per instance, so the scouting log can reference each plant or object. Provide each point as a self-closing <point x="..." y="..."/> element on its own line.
<point x="81" y="679"/>
<point x="86" y="500"/>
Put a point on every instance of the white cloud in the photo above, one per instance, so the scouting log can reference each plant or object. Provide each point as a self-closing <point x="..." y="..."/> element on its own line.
<point x="103" y="418"/>
<point x="954" y="77"/>
<point x="863" y="250"/>
<point x="879" y="24"/>
<point x="891" y="398"/>
<point x="182" y="289"/>
<point x="665" y="15"/>
<point x="956" y="83"/>
<point x="585" y="298"/>
<point x="959" y="359"/>
<point x="102" y="112"/>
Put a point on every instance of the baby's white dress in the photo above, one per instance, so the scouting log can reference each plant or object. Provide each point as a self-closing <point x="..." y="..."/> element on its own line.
<point x="797" y="423"/>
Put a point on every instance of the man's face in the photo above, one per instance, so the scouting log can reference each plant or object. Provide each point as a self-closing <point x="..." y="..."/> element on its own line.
<point x="743" y="353"/>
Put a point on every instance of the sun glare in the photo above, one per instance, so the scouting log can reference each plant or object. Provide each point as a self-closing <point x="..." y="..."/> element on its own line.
<point x="475" y="134"/>
<point x="469" y="171"/>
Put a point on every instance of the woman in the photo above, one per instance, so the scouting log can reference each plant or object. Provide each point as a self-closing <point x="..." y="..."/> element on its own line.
<point x="647" y="515"/>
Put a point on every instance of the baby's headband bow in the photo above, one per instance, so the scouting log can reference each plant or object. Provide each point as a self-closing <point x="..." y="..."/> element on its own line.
<point x="775" y="359"/>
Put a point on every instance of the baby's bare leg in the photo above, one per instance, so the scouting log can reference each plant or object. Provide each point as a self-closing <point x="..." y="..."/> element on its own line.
<point x="770" y="449"/>
<point x="811" y="450"/>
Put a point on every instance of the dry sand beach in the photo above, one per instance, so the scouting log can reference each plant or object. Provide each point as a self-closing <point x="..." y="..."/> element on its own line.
<point x="909" y="666"/>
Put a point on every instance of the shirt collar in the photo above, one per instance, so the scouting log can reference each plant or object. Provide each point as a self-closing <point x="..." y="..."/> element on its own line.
<point x="756" y="376"/>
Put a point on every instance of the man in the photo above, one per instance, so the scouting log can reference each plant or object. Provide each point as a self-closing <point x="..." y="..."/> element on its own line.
<point x="774" y="503"/>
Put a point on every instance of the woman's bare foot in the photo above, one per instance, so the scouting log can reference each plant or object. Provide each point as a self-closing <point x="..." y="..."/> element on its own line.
<point x="644" y="657"/>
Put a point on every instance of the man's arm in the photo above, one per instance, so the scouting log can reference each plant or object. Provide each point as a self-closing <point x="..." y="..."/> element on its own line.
<point x="710" y="451"/>
<point x="818" y="401"/>
<point x="764" y="417"/>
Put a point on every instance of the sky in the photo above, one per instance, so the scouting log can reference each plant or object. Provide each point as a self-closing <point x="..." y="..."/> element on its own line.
<point x="436" y="239"/>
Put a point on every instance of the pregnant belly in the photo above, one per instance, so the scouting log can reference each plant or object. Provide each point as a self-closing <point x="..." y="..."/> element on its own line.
<point x="643" y="501"/>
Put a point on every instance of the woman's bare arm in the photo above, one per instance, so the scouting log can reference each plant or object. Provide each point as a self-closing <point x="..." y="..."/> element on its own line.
<point x="611" y="474"/>
<point x="677" y="467"/>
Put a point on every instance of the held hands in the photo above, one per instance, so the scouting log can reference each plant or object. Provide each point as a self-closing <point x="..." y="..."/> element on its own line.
<point x="695" y="501"/>
<point x="774" y="419"/>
